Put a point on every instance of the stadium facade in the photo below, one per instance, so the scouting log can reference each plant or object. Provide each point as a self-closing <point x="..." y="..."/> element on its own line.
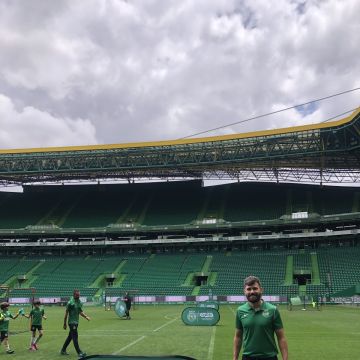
<point x="197" y="240"/>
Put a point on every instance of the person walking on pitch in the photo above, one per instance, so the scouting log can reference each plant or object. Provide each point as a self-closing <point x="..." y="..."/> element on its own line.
<point x="127" y="299"/>
<point x="72" y="312"/>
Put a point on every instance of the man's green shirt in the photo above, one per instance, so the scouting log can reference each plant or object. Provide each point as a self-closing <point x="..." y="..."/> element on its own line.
<point x="258" y="327"/>
<point x="74" y="308"/>
<point x="4" y="324"/>
<point x="36" y="316"/>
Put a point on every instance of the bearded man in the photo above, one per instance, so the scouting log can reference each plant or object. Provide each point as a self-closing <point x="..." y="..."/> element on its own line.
<point x="256" y="323"/>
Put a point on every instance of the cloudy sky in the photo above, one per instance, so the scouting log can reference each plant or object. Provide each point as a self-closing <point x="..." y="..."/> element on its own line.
<point x="115" y="71"/>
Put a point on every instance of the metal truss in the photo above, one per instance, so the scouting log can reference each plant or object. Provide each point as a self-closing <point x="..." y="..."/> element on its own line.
<point x="291" y="175"/>
<point x="317" y="155"/>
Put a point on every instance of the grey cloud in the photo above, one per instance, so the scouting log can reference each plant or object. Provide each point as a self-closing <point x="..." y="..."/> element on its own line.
<point x="140" y="71"/>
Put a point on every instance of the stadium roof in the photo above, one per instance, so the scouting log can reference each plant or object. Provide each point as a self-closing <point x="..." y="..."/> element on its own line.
<point x="325" y="152"/>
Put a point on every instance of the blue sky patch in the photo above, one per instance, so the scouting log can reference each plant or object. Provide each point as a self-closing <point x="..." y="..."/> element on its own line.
<point x="308" y="109"/>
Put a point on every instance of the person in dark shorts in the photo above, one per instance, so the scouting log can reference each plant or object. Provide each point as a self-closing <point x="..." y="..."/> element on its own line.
<point x="5" y="316"/>
<point x="256" y="323"/>
<point x="127" y="299"/>
<point x="72" y="313"/>
<point x="36" y="315"/>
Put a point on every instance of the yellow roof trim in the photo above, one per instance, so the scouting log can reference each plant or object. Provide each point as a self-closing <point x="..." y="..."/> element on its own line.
<point x="186" y="141"/>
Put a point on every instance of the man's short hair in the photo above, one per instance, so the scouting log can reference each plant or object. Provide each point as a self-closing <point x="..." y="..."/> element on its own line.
<point x="37" y="302"/>
<point x="251" y="280"/>
<point x="4" y="305"/>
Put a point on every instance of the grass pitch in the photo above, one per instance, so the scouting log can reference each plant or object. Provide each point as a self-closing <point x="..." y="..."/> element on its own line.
<point x="330" y="334"/>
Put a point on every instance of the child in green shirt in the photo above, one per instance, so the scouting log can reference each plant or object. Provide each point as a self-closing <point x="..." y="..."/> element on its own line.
<point x="36" y="315"/>
<point x="5" y="316"/>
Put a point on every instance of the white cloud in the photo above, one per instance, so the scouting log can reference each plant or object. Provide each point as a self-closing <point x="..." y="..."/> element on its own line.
<point x="31" y="127"/>
<point x="157" y="70"/>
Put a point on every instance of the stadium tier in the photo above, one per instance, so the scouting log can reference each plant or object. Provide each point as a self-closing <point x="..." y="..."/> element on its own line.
<point x="181" y="239"/>
<point x="178" y="273"/>
<point x="279" y="232"/>
<point x="10" y="268"/>
<point x="339" y="268"/>
<point x="232" y="268"/>
<point x="302" y="261"/>
<point x="168" y="204"/>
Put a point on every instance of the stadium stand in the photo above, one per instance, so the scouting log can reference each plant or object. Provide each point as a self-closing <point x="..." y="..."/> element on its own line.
<point x="339" y="268"/>
<point x="233" y="268"/>
<point x="165" y="274"/>
<point x="169" y="269"/>
<point x="153" y="204"/>
<point x="252" y="202"/>
<point x="181" y="237"/>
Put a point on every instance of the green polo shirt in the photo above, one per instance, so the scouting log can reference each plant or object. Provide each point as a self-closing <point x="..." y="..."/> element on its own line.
<point x="4" y="324"/>
<point x="74" y="308"/>
<point x="36" y="316"/>
<point x="258" y="329"/>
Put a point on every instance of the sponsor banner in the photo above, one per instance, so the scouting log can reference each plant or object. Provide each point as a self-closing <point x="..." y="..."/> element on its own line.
<point x="20" y="300"/>
<point x="242" y="298"/>
<point x="112" y="299"/>
<point x="236" y="298"/>
<point x="175" y="299"/>
<point x="201" y="298"/>
<point x="208" y="304"/>
<point x="120" y="308"/>
<point x="145" y="299"/>
<point x="345" y="299"/>
<point x="200" y="316"/>
<point x="53" y="300"/>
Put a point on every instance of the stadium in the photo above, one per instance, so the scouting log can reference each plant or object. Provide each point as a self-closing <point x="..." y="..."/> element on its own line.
<point x="138" y="217"/>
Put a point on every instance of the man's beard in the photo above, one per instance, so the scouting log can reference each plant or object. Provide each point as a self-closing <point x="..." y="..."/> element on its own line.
<point x="253" y="298"/>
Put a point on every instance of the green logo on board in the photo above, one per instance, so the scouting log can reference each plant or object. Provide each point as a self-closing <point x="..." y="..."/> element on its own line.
<point x="200" y="316"/>
<point x="120" y="308"/>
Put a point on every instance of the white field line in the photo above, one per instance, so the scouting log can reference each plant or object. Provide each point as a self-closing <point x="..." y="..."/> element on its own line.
<point x="212" y="344"/>
<point x="142" y="337"/>
<point x="129" y="345"/>
<point x="107" y="335"/>
<point x="89" y="332"/>
<point x="231" y="309"/>
<point x="166" y="324"/>
<point x="170" y="316"/>
<point x="117" y="330"/>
